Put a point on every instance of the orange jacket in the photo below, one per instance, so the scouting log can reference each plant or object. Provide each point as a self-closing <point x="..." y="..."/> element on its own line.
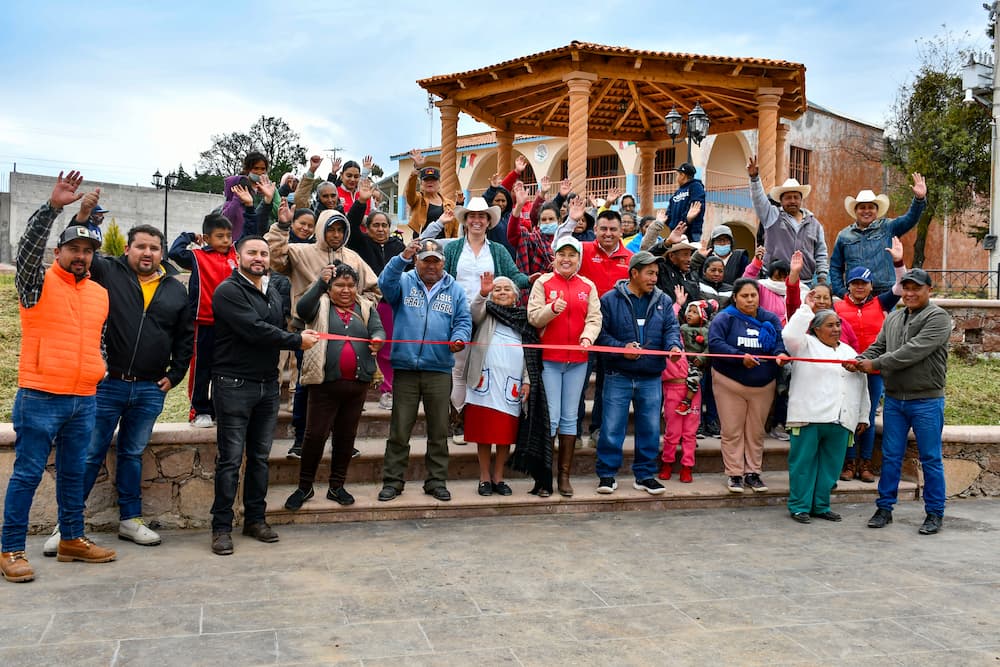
<point x="61" y="336"/>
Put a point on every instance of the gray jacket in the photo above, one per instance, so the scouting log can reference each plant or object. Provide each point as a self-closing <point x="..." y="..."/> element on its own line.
<point x="783" y="235"/>
<point x="911" y="351"/>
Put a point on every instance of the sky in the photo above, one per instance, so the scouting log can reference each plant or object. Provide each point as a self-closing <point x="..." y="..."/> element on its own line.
<point x="122" y="89"/>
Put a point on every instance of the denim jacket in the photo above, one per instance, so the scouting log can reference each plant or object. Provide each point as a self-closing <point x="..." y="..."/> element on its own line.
<point x="866" y="247"/>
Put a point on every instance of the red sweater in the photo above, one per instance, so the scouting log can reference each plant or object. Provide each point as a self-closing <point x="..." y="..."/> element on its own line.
<point x="602" y="269"/>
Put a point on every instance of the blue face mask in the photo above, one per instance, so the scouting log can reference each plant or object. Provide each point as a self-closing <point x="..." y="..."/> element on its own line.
<point x="254" y="177"/>
<point x="549" y="228"/>
<point x="722" y="250"/>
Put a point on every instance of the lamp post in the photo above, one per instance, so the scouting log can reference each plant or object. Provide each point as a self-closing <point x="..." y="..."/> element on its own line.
<point x="165" y="183"/>
<point x="697" y="126"/>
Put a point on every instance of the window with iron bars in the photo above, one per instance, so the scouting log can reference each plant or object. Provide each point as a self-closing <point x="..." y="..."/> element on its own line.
<point x="798" y="164"/>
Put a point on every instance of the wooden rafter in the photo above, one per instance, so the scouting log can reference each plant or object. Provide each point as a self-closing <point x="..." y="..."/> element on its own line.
<point x="600" y="95"/>
<point x="635" y="98"/>
<point x="552" y="111"/>
<point x="621" y="120"/>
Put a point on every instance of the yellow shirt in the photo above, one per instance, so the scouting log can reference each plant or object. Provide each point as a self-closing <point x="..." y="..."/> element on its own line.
<point x="149" y="286"/>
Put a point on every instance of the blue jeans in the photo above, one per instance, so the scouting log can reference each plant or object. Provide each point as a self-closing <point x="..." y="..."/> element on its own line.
<point x="647" y="395"/>
<point x="246" y="412"/>
<point x="40" y="420"/>
<point x="866" y="441"/>
<point x="132" y="407"/>
<point x="563" y="382"/>
<point x="926" y="417"/>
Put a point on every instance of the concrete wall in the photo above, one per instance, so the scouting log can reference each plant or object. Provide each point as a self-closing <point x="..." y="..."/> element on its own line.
<point x="128" y="205"/>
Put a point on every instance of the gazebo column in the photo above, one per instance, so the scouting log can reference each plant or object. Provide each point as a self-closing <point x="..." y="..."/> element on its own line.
<point x="579" y="101"/>
<point x="505" y="143"/>
<point x="647" y="175"/>
<point x="781" y="154"/>
<point x="767" y="131"/>
<point x="449" y="147"/>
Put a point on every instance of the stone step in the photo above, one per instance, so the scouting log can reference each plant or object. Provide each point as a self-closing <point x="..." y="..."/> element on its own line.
<point x="463" y="462"/>
<point x="707" y="490"/>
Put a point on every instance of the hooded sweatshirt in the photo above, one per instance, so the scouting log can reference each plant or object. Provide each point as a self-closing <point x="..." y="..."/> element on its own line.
<point x="302" y="262"/>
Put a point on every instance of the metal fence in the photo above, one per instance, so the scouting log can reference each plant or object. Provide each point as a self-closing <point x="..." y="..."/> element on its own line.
<point x="966" y="283"/>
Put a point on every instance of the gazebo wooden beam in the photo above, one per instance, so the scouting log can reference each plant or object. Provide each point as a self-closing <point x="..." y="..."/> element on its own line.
<point x="638" y="100"/>
<point x="552" y="111"/>
<point x="596" y="100"/>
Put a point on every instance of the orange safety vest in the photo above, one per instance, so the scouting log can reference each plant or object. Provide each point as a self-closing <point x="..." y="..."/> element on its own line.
<point x="61" y="336"/>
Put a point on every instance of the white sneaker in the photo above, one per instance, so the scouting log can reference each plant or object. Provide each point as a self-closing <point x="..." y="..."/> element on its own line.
<point x="385" y="401"/>
<point x="51" y="547"/>
<point x="136" y="530"/>
<point x="203" y="421"/>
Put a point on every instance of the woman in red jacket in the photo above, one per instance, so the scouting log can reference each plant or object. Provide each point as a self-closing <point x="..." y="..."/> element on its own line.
<point x="567" y="308"/>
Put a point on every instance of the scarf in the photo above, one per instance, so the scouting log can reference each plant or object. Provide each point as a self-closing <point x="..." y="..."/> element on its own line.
<point x="533" y="451"/>
<point x="768" y="336"/>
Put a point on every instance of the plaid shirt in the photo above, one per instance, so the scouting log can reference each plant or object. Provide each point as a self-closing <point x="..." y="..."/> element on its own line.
<point x="30" y="272"/>
<point x="533" y="254"/>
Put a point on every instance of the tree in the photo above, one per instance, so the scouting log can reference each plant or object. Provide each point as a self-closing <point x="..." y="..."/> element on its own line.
<point x="200" y="182"/>
<point x="933" y="132"/>
<point x="270" y="135"/>
<point x="114" y="240"/>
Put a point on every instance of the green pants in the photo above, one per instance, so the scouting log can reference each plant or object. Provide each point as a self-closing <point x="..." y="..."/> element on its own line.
<point x="409" y="388"/>
<point x="815" y="456"/>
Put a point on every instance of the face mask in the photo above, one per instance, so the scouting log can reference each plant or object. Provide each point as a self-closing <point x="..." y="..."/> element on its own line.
<point x="254" y="177"/>
<point x="722" y="250"/>
<point x="549" y="228"/>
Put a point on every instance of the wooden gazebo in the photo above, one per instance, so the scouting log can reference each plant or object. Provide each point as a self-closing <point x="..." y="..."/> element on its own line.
<point x="590" y="91"/>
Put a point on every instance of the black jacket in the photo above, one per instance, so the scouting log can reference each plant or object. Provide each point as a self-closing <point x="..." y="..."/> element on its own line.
<point x="376" y="255"/>
<point x="147" y="343"/>
<point x="671" y="276"/>
<point x="249" y="330"/>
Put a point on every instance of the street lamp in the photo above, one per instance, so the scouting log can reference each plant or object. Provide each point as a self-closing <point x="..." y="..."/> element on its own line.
<point x="165" y="183"/>
<point x="697" y="126"/>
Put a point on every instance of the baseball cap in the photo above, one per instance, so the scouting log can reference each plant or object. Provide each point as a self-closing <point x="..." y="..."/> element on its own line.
<point x="430" y="248"/>
<point x="918" y="276"/>
<point x="643" y="258"/>
<point x="428" y="173"/>
<point x="100" y="209"/>
<point x="859" y="273"/>
<point x="567" y="240"/>
<point x="687" y="168"/>
<point x="74" y="232"/>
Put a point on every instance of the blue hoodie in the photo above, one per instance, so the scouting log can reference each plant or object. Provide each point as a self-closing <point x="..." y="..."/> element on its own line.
<point x="444" y="317"/>
<point x="660" y="332"/>
<point x="728" y="334"/>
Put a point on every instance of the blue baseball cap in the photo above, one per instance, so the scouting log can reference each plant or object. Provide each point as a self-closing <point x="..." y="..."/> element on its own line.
<point x="859" y="273"/>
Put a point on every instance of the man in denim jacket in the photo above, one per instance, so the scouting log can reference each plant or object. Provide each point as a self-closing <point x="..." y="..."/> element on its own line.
<point x="864" y="243"/>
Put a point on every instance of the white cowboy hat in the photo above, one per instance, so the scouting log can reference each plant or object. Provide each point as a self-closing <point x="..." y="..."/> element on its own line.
<point x="791" y="185"/>
<point x="683" y="244"/>
<point x="478" y="204"/>
<point x="867" y="197"/>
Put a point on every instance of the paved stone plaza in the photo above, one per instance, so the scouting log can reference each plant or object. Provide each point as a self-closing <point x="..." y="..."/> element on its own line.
<point x="698" y="587"/>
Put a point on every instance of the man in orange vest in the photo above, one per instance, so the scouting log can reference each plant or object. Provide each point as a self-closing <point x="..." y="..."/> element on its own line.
<point x="62" y="318"/>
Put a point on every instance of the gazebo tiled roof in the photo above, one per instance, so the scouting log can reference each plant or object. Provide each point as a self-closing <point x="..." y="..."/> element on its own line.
<point x="634" y="89"/>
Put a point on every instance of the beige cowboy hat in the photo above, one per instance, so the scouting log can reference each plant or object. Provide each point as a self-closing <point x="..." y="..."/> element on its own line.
<point x="478" y="204"/>
<point x="683" y="244"/>
<point x="867" y="197"/>
<point x="791" y="185"/>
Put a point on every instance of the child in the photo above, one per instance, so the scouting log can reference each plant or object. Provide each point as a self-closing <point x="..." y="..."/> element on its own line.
<point x="694" y="331"/>
<point x="210" y="264"/>
<point x="681" y="395"/>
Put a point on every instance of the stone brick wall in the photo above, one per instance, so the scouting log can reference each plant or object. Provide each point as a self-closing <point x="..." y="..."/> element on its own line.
<point x="976" y="329"/>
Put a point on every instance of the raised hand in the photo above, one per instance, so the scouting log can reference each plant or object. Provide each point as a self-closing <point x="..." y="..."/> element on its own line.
<point x="661" y="216"/>
<point x="365" y="189"/>
<point x="410" y="251"/>
<point x="243" y="194"/>
<point x="753" y="171"/>
<point x="266" y="188"/>
<point x="677" y="233"/>
<point x="565" y="187"/>
<point x="447" y="217"/>
<point x="314" y="163"/>
<point x="285" y="212"/>
<point x="811" y="299"/>
<point x="896" y="251"/>
<point x="760" y="252"/>
<point x="919" y="186"/>
<point x="795" y="266"/>
<point x="693" y="210"/>
<point x="544" y="185"/>
<point x="520" y="164"/>
<point x="577" y="208"/>
<point x="64" y="191"/>
<point x="613" y="195"/>
<point x="496" y="180"/>
<point x="485" y="284"/>
<point x="87" y="204"/>
<point x="520" y="196"/>
<point x="459" y="197"/>
<point x="703" y="250"/>
<point x="559" y="304"/>
<point x="335" y="167"/>
<point x="680" y="295"/>
<point x="367" y="163"/>
<point x="417" y="157"/>
<point x="326" y="273"/>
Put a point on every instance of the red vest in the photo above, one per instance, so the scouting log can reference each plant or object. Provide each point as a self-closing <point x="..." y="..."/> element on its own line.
<point x="61" y="336"/>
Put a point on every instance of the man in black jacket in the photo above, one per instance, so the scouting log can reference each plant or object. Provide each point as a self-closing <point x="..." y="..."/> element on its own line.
<point x="148" y="342"/>
<point x="249" y="332"/>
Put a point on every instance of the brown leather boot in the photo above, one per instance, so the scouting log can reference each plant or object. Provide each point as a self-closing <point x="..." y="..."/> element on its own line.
<point x="866" y="475"/>
<point x="847" y="474"/>
<point x="15" y="567"/>
<point x="82" y="549"/>
<point x="567" y="444"/>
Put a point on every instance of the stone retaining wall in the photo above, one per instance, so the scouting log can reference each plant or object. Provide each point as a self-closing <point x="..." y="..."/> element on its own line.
<point x="976" y="329"/>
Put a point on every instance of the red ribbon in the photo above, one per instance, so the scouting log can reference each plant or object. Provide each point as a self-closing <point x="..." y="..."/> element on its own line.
<point x="592" y="348"/>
